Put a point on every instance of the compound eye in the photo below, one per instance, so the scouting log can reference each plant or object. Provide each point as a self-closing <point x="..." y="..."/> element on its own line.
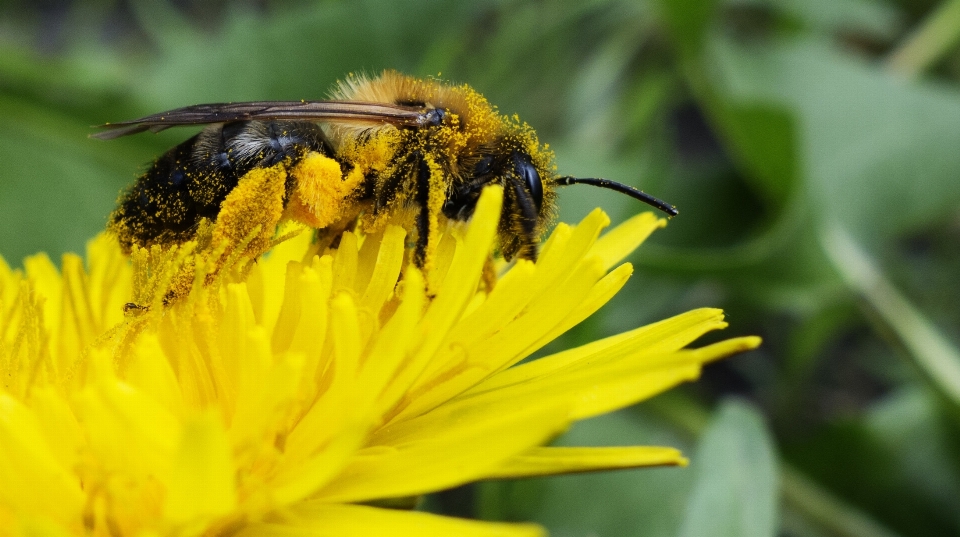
<point x="484" y="166"/>
<point x="527" y="171"/>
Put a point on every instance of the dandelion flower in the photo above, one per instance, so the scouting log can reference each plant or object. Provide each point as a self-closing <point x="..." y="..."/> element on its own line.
<point x="290" y="395"/>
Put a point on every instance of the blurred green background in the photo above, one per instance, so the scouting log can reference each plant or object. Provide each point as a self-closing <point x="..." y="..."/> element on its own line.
<point x="812" y="146"/>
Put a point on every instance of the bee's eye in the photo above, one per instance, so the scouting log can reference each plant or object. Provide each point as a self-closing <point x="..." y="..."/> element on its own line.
<point x="484" y="166"/>
<point x="527" y="171"/>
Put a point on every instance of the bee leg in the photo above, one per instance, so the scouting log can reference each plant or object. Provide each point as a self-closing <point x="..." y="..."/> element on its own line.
<point x="250" y="213"/>
<point x="423" y="217"/>
<point x="430" y="196"/>
<point x="524" y="222"/>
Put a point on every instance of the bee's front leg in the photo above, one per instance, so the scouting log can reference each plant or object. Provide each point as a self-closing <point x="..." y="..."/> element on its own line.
<point x="518" y="223"/>
<point x="430" y="196"/>
<point x="423" y="217"/>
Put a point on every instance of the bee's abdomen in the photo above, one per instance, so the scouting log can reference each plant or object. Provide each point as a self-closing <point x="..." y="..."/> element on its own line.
<point x="191" y="181"/>
<point x="158" y="207"/>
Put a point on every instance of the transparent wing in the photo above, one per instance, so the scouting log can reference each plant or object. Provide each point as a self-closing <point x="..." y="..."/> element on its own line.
<point x="339" y="111"/>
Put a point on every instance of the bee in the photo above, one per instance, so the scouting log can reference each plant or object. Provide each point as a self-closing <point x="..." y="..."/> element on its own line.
<point x="382" y="149"/>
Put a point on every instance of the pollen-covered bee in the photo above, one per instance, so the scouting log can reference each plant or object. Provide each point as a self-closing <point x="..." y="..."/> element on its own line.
<point x="384" y="149"/>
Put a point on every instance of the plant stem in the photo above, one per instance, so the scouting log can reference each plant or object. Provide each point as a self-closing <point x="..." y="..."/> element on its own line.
<point x="828" y="511"/>
<point x="930" y="351"/>
<point x="938" y="33"/>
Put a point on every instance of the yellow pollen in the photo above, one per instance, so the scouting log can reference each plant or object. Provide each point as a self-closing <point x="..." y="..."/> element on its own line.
<point x="320" y="196"/>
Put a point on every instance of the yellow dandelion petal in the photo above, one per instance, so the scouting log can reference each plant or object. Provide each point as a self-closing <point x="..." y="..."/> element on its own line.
<point x="338" y="409"/>
<point x="200" y="485"/>
<point x="108" y="281"/>
<point x="599" y="294"/>
<point x="508" y="346"/>
<point x="345" y="262"/>
<point x="501" y="307"/>
<point x="35" y="482"/>
<point x="236" y="325"/>
<point x="45" y="278"/>
<point x="396" y="340"/>
<point x="544" y="316"/>
<point x="461" y="283"/>
<point x="660" y="337"/>
<point x="295" y="479"/>
<point x="618" y="385"/>
<point x="464" y="271"/>
<point x="154" y="376"/>
<point x="58" y="423"/>
<point x="128" y="432"/>
<point x="266" y="280"/>
<point x="267" y="390"/>
<point x="541" y="461"/>
<point x="441" y="450"/>
<point x="386" y="267"/>
<point x="264" y="396"/>
<point x="326" y="520"/>
<point x="618" y="243"/>
<point x="609" y="383"/>
<point x="289" y="316"/>
<point x="310" y="335"/>
<point x="345" y="330"/>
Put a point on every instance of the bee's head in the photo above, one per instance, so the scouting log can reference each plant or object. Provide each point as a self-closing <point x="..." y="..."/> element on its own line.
<point x="528" y="202"/>
<point x="525" y="211"/>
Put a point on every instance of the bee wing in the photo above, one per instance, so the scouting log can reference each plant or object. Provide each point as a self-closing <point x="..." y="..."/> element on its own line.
<point x="339" y="111"/>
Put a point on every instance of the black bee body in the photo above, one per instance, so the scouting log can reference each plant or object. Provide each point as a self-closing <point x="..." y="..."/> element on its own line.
<point x="191" y="180"/>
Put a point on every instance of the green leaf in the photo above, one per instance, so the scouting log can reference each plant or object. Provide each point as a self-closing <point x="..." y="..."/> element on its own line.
<point x="872" y="18"/>
<point x="765" y="138"/>
<point x="56" y="185"/>
<point x="895" y="462"/>
<point x="735" y="490"/>
<point x="922" y="439"/>
<point x="876" y="153"/>
<point x="688" y="21"/>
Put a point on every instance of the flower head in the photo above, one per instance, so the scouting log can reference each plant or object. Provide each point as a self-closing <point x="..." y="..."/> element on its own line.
<point x="277" y="396"/>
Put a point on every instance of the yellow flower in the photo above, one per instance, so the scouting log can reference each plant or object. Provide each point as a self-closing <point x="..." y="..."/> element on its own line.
<point x="277" y="397"/>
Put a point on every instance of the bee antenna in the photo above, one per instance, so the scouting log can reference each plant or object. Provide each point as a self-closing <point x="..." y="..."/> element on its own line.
<point x="621" y="188"/>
